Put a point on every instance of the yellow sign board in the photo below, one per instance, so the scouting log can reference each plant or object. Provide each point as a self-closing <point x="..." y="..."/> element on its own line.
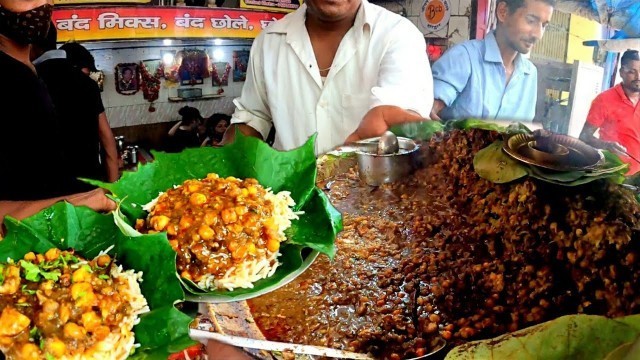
<point x="154" y="22"/>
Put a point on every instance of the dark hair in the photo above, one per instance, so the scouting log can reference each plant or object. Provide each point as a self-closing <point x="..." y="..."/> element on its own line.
<point x="79" y="56"/>
<point x="189" y="114"/>
<point x="514" y="5"/>
<point x="213" y="121"/>
<point x="629" y="56"/>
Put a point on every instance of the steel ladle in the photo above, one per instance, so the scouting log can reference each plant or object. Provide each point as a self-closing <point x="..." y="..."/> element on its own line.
<point x="388" y="143"/>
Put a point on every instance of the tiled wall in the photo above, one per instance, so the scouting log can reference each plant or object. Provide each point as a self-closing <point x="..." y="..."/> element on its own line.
<point x="456" y="31"/>
<point x="133" y="110"/>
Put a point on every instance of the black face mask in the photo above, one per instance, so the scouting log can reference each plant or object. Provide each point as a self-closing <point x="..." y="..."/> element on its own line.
<point x="26" y="27"/>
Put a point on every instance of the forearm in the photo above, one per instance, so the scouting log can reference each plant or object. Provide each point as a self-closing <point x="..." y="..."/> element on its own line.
<point x="24" y="209"/>
<point x="109" y="145"/>
<point x="174" y="128"/>
<point x="394" y="115"/>
<point x="230" y="134"/>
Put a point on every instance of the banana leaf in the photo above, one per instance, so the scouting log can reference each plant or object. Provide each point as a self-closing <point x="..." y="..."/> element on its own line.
<point x="422" y="130"/>
<point x="247" y="157"/>
<point x="582" y="337"/>
<point x="493" y="164"/>
<point x="161" y="331"/>
<point x="468" y="124"/>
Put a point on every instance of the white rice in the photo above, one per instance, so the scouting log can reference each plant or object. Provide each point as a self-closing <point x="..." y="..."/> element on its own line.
<point x="264" y="263"/>
<point x="119" y="343"/>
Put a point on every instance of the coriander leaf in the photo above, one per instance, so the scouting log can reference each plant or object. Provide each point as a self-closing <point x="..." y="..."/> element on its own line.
<point x="52" y="275"/>
<point x="27" y="291"/>
<point x="103" y="277"/>
<point x="32" y="271"/>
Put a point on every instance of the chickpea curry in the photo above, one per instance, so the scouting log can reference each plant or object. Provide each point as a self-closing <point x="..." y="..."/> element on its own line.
<point x="58" y="305"/>
<point x="215" y="224"/>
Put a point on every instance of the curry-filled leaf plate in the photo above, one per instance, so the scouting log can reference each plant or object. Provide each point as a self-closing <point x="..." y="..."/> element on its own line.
<point x="162" y="331"/>
<point x="294" y="171"/>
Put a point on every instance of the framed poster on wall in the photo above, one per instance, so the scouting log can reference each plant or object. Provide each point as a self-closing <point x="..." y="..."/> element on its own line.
<point x="240" y="62"/>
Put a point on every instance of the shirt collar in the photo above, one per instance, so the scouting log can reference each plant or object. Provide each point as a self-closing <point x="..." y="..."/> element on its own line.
<point x="49" y="55"/>
<point x="492" y="54"/>
<point x="620" y="91"/>
<point x="282" y="26"/>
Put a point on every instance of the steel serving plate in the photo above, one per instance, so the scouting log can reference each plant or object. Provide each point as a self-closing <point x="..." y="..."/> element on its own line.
<point x="578" y="156"/>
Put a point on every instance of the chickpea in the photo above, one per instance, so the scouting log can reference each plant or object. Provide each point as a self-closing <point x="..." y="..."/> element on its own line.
<point x="205" y="232"/>
<point x="103" y="260"/>
<point x="185" y="222"/>
<point x="55" y="347"/>
<point x="273" y="245"/>
<point x="197" y="199"/>
<point x="30" y="256"/>
<point x="74" y="331"/>
<point x="159" y="222"/>
<point x="81" y="275"/>
<point x="29" y="351"/>
<point x="52" y="254"/>
<point x="91" y="320"/>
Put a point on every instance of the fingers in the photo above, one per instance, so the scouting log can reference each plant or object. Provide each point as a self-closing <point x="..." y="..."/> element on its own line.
<point x="434" y="116"/>
<point x="352" y="138"/>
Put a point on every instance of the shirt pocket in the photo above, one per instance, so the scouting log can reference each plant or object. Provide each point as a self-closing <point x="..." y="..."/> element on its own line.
<point x="354" y="107"/>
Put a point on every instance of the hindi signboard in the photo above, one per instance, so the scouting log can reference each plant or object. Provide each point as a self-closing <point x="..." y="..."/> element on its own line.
<point x="134" y="23"/>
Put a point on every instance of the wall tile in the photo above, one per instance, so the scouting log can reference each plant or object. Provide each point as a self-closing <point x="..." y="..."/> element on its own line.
<point x="458" y="29"/>
<point x="464" y="8"/>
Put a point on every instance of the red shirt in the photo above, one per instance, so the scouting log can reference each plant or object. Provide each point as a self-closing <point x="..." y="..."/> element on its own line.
<point x="619" y="121"/>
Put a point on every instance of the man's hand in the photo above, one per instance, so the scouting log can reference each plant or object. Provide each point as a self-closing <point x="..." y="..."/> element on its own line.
<point x="438" y="105"/>
<point x="230" y="135"/>
<point x="380" y="119"/>
<point x="95" y="199"/>
<point x="615" y="147"/>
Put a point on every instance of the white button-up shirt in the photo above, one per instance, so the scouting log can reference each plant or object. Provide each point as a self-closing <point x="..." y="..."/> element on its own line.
<point x="382" y="60"/>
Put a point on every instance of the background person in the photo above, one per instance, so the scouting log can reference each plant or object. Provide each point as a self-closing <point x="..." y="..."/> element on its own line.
<point x="216" y="125"/>
<point x="34" y="174"/>
<point x="335" y="68"/>
<point x="616" y="113"/>
<point x="184" y="134"/>
<point x="76" y="97"/>
<point x="490" y="78"/>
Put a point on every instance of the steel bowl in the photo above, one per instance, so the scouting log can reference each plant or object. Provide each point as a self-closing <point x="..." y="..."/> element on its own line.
<point x="376" y="169"/>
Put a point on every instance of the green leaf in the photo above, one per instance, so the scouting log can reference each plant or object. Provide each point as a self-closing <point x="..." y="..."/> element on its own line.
<point x="162" y="332"/>
<point x="88" y="233"/>
<point x="560" y="176"/>
<point x="31" y="271"/>
<point x="468" y="124"/>
<point x="582" y="337"/>
<point x="493" y="164"/>
<point x="247" y="157"/>
<point x="422" y="130"/>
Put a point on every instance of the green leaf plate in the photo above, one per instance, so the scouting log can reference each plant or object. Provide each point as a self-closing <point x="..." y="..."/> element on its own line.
<point x="247" y="157"/>
<point x="584" y="337"/>
<point x="163" y="330"/>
